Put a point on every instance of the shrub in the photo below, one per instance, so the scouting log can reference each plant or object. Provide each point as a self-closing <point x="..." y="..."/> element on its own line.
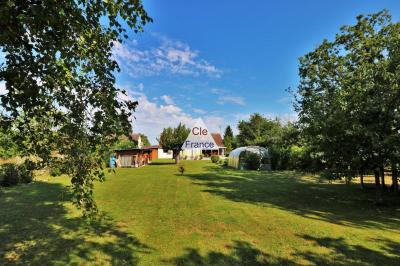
<point x="252" y="160"/>
<point x="181" y="169"/>
<point x="215" y="158"/>
<point x="9" y="175"/>
<point x="57" y="168"/>
<point x="12" y="174"/>
<point x="55" y="171"/>
<point x="25" y="174"/>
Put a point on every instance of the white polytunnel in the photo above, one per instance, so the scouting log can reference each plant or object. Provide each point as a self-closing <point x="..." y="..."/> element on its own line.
<point x="236" y="157"/>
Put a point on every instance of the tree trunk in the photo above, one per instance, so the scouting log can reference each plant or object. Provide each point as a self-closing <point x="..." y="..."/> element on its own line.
<point x="378" y="188"/>
<point x="395" y="182"/>
<point x="362" y="180"/>
<point x="382" y="172"/>
<point x="176" y="156"/>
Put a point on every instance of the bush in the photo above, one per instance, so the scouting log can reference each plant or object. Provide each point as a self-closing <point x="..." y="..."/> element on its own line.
<point x="13" y="174"/>
<point x="215" y="158"/>
<point x="25" y="174"/>
<point x="181" y="169"/>
<point x="57" y="168"/>
<point x="55" y="171"/>
<point x="9" y="175"/>
<point x="252" y="160"/>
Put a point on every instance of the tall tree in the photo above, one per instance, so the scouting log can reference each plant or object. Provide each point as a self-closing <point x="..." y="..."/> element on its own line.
<point x="348" y="98"/>
<point x="256" y="131"/>
<point x="145" y="140"/>
<point x="228" y="138"/>
<point x="173" y="139"/>
<point x="59" y="75"/>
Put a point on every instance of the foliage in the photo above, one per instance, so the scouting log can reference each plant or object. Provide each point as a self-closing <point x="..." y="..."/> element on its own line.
<point x="287" y="150"/>
<point x="173" y="139"/>
<point x="145" y="140"/>
<point x="252" y="160"/>
<point x="56" y="167"/>
<point x="59" y="74"/>
<point x="8" y="148"/>
<point x="215" y="158"/>
<point x="257" y="131"/>
<point x="349" y="95"/>
<point x="125" y="145"/>
<point x="13" y="174"/>
<point x="229" y="139"/>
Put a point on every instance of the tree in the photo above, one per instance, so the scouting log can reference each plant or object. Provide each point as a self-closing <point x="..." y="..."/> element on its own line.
<point x="59" y="74"/>
<point x="228" y="139"/>
<point x="145" y="140"/>
<point x="8" y="148"/>
<point x="348" y="98"/>
<point x="125" y="144"/>
<point x="173" y="139"/>
<point x="255" y="131"/>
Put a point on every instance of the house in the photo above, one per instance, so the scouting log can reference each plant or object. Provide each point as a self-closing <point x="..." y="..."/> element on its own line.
<point x="220" y="150"/>
<point x="135" y="157"/>
<point x="159" y="153"/>
<point x="137" y="138"/>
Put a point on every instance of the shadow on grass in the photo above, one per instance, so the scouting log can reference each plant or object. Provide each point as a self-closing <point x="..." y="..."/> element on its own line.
<point x="341" y="253"/>
<point x="241" y="253"/>
<point x="161" y="163"/>
<point x="335" y="203"/>
<point x="35" y="230"/>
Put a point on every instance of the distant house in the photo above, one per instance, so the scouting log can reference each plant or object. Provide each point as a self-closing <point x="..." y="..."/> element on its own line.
<point x="220" y="150"/>
<point x="137" y="157"/>
<point x="137" y="138"/>
<point x="159" y="153"/>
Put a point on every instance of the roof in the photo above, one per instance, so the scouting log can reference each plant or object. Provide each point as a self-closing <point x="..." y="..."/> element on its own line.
<point x="152" y="147"/>
<point x="218" y="139"/>
<point x="135" y="136"/>
<point x="132" y="149"/>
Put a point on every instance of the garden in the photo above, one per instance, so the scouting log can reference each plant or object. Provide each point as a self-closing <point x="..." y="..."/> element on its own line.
<point x="209" y="215"/>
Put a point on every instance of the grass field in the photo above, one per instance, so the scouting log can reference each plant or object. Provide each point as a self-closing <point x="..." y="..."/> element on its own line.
<point x="208" y="216"/>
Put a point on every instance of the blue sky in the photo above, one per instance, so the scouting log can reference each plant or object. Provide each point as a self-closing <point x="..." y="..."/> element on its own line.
<point x="223" y="60"/>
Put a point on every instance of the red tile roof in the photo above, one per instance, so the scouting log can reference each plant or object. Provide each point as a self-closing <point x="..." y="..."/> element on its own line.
<point x="152" y="147"/>
<point x="218" y="139"/>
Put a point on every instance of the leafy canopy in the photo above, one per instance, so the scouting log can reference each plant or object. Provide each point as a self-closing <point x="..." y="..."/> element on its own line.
<point x="173" y="139"/>
<point x="59" y="74"/>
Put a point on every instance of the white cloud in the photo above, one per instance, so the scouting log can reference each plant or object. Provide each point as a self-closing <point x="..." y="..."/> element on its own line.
<point x="167" y="99"/>
<point x="169" y="57"/>
<point x="231" y="99"/>
<point x="199" y="111"/>
<point x="151" y="118"/>
<point x="217" y="91"/>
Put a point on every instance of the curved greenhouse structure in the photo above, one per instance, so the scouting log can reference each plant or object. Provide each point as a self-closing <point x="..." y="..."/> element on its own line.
<point x="236" y="157"/>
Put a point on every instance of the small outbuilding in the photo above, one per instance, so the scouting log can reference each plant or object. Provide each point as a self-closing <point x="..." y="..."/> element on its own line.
<point x="236" y="157"/>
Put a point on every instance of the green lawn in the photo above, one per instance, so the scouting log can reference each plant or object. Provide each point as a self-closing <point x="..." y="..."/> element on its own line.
<point x="208" y="216"/>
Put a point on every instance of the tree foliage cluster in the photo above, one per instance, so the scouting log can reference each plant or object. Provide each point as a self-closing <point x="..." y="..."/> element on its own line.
<point x="59" y="75"/>
<point x="173" y="139"/>
<point x="349" y="97"/>
<point x="281" y="139"/>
